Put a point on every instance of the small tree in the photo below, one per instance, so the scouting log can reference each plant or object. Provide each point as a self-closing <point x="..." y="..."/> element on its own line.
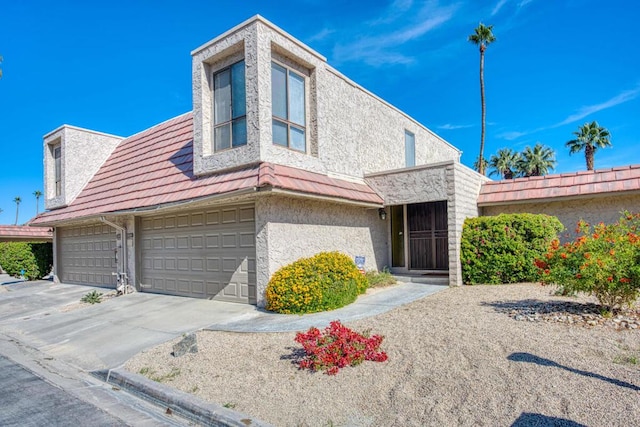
<point x="603" y="261"/>
<point x="504" y="163"/>
<point x="38" y="194"/>
<point x="589" y="138"/>
<point x="17" y="199"/>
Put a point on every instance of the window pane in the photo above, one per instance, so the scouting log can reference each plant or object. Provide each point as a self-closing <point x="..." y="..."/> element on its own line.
<point x="279" y="91"/>
<point x="409" y="149"/>
<point x="296" y="99"/>
<point x="222" y="137"/>
<point x="279" y="133"/>
<point x="58" y="164"/>
<point x="222" y="96"/>
<point x="239" y="99"/>
<point x="297" y="139"/>
<point x="239" y="132"/>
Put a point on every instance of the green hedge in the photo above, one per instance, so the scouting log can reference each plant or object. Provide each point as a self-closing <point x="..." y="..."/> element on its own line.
<point x="503" y="248"/>
<point x="36" y="259"/>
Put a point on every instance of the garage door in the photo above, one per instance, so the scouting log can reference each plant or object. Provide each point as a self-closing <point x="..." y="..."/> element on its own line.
<point x="86" y="254"/>
<point x="201" y="254"/>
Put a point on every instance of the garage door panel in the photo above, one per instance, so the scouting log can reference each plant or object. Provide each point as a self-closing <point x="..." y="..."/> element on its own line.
<point x="86" y="255"/>
<point x="206" y="254"/>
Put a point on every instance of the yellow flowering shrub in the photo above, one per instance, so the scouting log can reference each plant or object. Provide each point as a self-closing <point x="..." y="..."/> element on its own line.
<point x="326" y="281"/>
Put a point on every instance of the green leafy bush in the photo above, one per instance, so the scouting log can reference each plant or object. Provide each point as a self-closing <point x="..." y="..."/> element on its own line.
<point x="326" y="281"/>
<point x="603" y="261"/>
<point x="36" y="259"/>
<point x="380" y="279"/>
<point x="93" y="297"/>
<point x="503" y="248"/>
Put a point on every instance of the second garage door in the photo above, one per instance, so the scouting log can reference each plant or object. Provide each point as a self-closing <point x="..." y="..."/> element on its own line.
<point x="86" y="255"/>
<point x="203" y="254"/>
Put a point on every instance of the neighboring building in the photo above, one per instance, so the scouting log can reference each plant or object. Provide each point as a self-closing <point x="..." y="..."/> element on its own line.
<point x="281" y="158"/>
<point x="24" y="233"/>
<point x="594" y="196"/>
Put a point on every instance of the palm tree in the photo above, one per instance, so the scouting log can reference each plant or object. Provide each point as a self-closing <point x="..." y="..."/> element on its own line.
<point x="482" y="37"/>
<point x="589" y="138"/>
<point x="17" y="200"/>
<point x="38" y="194"/>
<point x="504" y="163"/>
<point x="537" y="161"/>
<point x="1" y="68"/>
<point x="476" y="164"/>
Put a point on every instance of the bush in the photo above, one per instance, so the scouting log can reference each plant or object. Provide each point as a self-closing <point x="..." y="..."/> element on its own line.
<point x="603" y="261"/>
<point x="36" y="259"/>
<point x="380" y="279"/>
<point x="338" y="347"/>
<point x="326" y="281"/>
<point x="503" y="248"/>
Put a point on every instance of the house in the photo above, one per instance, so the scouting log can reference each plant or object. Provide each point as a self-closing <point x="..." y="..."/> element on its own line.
<point x="24" y="233"/>
<point x="282" y="157"/>
<point x="594" y="196"/>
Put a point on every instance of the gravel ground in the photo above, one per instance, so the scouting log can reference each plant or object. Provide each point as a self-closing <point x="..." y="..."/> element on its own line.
<point x="455" y="358"/>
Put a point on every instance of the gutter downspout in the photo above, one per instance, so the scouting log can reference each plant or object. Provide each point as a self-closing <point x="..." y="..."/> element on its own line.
<point x="122" y="280"/>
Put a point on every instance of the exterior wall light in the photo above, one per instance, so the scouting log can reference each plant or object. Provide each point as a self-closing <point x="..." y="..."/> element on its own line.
<point x="382" y="214"/>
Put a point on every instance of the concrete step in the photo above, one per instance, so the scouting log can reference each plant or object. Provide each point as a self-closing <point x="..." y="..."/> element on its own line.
<point x="428" y="279"/>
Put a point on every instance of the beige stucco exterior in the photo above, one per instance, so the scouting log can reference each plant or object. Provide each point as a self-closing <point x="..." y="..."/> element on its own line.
<point x="605" y="208"/>
<point x="83" y="151"/>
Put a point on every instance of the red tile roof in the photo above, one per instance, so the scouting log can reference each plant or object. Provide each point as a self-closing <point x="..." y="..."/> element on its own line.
<point x="567" y="185"/>
<point x="155" y="167"/>
<point x="24" y="233"/>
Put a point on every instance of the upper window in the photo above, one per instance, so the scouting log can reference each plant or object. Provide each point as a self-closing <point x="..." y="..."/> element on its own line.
<point x="409" y="149"/>
<point x="288" y="104"/>
<point x="229" y="108"/>
<point x="57" y="166"/>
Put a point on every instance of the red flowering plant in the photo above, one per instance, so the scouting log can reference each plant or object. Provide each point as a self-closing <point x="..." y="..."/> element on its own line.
<point x="337" y="347"/>
<point x="604" y="261"/>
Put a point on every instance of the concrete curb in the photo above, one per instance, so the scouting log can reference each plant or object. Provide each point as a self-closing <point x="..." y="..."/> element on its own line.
<point x="183" y="404"/>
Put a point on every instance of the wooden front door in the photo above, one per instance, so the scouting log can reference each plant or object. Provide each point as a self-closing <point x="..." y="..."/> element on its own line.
<point x="428" y="241"/>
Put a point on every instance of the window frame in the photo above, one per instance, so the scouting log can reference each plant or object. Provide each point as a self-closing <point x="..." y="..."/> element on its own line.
<point x="56" y="151"/>
<point x="232" y="119"/>
<point x="409" y="155"/>
<point x="288" y="122"/>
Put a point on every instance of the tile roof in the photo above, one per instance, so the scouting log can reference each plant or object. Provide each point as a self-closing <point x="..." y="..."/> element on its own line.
<point x="567" y="185"/>
<point x="155" y="167"/>
<point x="24" y="232"/>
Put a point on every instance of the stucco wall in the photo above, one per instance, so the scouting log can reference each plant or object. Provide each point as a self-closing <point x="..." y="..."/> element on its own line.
<point x="569" y="212"/>
<point x="349" y="130"/>
<point x="288" y="229"/>
<point x="82" y="153"/>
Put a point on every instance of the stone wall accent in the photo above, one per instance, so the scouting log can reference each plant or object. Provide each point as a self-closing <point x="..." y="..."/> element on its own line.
<point x="83" y="151"/>
<point x="605" y="209"/>
<point x="463" y="188"/>
<point x="290" y="228"/>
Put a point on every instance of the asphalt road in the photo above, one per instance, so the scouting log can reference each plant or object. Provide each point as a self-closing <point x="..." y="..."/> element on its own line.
<point x="28" y="400"/>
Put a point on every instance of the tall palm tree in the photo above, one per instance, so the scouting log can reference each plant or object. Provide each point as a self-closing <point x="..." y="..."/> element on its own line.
<point x="537" y="161"/>
<point x="38" y="194"/>
<point x="589" y="138"/>
<point x="1" y="68"/>
<point x="476" y="164"/>
<point x="482" y="37"/>
<point x="504" y="163"/>
<point x="17" y="200"/>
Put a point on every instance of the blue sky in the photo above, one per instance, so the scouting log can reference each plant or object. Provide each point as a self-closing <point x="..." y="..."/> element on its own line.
<point x="122" y="66"/>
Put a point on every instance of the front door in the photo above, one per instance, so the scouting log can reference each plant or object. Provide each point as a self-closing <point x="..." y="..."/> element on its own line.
<point x="428" y="241"/>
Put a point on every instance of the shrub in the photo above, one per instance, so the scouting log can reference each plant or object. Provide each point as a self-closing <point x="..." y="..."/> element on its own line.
<point x="93" y="297"/>
<point x="36" y="259"/>
<point x="326" y="281"/>
<point x="503" y="248"/>
<point x="380" y="279"/>
<point x="603" y="261"/>
<point x="338" y="347"/>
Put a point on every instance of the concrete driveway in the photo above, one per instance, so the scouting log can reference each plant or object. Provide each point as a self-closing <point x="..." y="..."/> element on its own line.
<point x="104" y="335"/>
